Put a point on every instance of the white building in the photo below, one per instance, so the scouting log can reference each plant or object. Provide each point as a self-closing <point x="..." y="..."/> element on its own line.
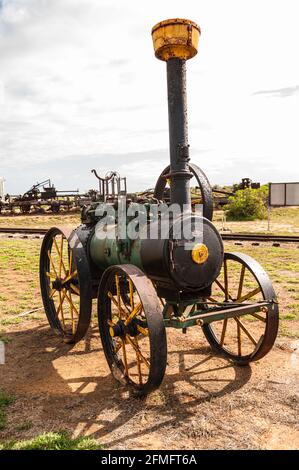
<point x="2" y="188"/>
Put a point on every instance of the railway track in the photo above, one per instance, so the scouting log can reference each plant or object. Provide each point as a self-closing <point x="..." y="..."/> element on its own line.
<point x="252" y="237"/>
<point x="23" y="231"/>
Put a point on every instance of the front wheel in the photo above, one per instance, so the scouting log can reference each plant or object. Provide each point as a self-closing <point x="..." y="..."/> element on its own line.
<point x="247" y="338"/>
<point x="132" y="328"/>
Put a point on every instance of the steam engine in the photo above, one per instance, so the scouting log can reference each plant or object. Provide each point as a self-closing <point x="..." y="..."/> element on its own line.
<point x="146" y="283"/>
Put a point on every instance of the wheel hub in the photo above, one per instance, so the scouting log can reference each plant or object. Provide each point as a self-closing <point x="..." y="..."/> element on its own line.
<point x="58" y="285"/>
<point x="121" y="330"/>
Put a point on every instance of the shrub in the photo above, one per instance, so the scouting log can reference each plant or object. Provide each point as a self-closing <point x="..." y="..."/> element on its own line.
<point x="247" y="204"/>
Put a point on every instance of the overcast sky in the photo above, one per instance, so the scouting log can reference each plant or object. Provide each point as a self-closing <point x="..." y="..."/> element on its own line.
<point x="80" y="88"/>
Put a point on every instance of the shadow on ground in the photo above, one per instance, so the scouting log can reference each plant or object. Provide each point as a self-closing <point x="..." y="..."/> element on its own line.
<point x="59" y="386"/>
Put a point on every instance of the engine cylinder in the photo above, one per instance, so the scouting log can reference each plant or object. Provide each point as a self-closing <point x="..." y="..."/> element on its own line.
<point x="178" y="260"/>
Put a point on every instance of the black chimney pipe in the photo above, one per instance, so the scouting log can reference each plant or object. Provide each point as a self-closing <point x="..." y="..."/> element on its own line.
<point x="178" y="133"/>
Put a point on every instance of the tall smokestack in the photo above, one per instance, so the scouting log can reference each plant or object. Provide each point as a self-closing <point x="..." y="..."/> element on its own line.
<point x="175" y="41"/>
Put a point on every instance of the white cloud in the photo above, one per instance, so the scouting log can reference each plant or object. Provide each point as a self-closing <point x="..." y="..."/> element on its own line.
<point x="80" y="78"/>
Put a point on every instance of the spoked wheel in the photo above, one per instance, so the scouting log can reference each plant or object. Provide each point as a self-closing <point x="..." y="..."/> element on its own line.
<point x="250" y="337"/>
<point x="65" y="284"/>
<point x="203" y="194"/>
<point x="132" y="332"/>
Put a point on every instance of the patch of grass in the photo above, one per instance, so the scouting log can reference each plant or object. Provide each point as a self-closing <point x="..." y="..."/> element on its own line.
<point x="12" y="321"/>
<point x="288" y="316"/>
<point x="60" y="440"/>
<point x="19" y="261"/>
<point x="18" y="320"/>
<point x="285" y="331"/>
<point x="5" y="400"/>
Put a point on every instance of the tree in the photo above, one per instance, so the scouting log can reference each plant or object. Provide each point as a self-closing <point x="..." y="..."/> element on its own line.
<point x="247" y="204"/>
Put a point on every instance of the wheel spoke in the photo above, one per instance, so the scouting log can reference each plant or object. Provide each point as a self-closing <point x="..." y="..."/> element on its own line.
<point x="225" y="280"/>
<point x="249" y="295"/>
<point x="245" y="330"/>
<point x="239" y="340"/>
<point x="71" y="303"/>
<point x="125" y="357"/>
<point x="138" y="362"/>
<point x="70" y="276"/>
<point x="75" y="310"/>
<point x="137" y="351"/>
<point x="52" y="264"/>
<point x="59" y="252"/>
<point x="241" y="282"/>
<point x="50" y="275"/>
<point x="222" y="288"/>
<point x="133" y="314"/>
<point x="223" y="331"/>
<point x="62" y="300"/>
<point x="61" y="308"/>
<point x="61" y="255"/>
<point x="256" y="315"/>
<point x="51" y="295"/>
<point x="120" y="309"/>
<point x="70" y="260"/>
<point x="142" y="330"/>
<point x="131" y="290"/>
<point x="117" y="346"/>
<point x="75" y="289"/>
<point x="118" y="295"/>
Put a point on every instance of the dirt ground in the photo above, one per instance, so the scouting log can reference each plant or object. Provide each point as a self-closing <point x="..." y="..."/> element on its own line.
<point x="204" y="401"/>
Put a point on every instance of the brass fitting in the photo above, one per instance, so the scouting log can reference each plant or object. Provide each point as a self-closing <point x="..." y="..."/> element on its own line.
<point x="175" y="38"/>
<point x="199" y="253"/>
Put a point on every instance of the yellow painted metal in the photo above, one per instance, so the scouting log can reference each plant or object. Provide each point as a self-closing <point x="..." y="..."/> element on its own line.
<point x="200" y="253"/>
<point x="175" y="38"/>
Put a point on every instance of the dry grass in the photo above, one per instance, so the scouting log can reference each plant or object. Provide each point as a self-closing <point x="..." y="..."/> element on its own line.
<point x="283" y="221"/>
<point x="40" y="221"/>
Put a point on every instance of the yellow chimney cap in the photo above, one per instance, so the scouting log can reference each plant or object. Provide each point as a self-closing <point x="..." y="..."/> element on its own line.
<point x="175" y="38"/>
